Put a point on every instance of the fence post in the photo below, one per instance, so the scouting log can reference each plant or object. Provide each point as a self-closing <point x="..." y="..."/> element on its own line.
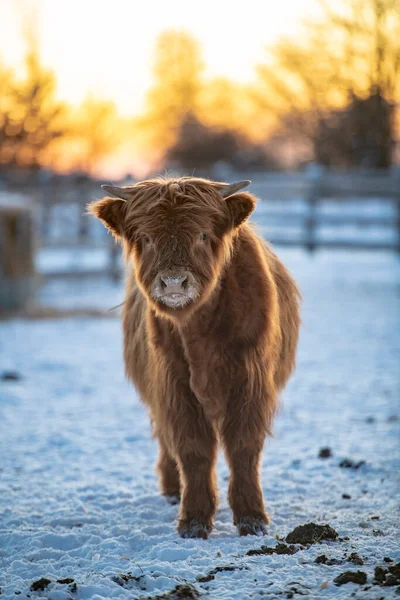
<point x="314" y="175"/>
<point x="84" y="188"/>
<point x="47" y="193"/>
<point x="17" y="269"/>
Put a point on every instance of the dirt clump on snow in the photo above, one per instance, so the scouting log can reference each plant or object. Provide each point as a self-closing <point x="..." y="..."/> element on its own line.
<point x="205" y="578"/>
<point x="355" y="559"/>
<point x="387" y="577"/>
<point x="40" y="584"/>
<point x="311" y="533"/>
<point x="180" y="592"/>
<point x="10" y="376"/>
<point x="351" y="577"/>
<point x="348" y="463"/>
<point x="325" y="453"/>
<point x="278" y="549"/>
<point x="322" y="559"/>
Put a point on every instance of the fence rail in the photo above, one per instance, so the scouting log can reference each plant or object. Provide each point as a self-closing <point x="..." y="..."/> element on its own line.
<point x="294" y="210"/>
<point x="336" y="189"/>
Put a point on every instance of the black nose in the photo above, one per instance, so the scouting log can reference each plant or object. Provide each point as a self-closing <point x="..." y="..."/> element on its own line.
<point x="173" y="284"/>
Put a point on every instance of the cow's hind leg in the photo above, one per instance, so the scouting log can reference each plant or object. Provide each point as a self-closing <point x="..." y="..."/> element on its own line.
<point x="169" y="474"/>
<point x="243" y="441"/>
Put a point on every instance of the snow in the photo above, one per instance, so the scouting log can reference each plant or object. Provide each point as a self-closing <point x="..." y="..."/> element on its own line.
<point x="78" y="492"/>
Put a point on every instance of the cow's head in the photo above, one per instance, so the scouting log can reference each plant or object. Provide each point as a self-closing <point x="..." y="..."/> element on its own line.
<point x="179" y="234"/>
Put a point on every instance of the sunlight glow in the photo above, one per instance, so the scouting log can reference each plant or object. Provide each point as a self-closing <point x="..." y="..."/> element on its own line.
<point x="105" y="47"/>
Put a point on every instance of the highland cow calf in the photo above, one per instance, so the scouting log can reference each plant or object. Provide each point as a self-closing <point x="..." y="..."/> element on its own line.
<point x="210" y="325"/>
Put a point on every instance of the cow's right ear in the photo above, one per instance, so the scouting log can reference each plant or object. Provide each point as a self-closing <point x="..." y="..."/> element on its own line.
<point x="111" y="211"/>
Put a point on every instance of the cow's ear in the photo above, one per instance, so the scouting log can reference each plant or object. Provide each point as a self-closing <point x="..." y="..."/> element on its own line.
<point x="111" y="211"/>
<point x="240" y="207"/>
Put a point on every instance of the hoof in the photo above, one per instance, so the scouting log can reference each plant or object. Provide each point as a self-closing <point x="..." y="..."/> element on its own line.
<point x="172" y="499"/>
<point x="194" y="528"/>
<point x="253" y="525"/>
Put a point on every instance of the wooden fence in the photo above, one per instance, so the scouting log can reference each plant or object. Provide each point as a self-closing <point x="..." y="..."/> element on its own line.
<point x="63" y="224"/>
<point x="294" y="210"/>
<point x="376" y="191"/>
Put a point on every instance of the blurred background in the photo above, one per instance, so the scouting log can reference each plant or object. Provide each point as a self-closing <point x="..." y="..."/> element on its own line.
<point x="303" y="100"/>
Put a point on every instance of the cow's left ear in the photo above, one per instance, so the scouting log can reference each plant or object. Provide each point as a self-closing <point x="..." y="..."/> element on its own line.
<point x="240" y="207"/>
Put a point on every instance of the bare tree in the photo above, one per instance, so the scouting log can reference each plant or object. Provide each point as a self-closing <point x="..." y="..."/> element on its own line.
<point x="30" y="117"/>
<point x="177" y="83"/>
<point x="344" y="64"/>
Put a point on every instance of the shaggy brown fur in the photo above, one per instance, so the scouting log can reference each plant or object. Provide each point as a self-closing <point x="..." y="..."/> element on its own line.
<point x="211" y="325"/>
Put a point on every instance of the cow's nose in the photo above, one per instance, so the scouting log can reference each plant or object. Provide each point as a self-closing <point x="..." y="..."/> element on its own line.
<point x="173" y="284"/>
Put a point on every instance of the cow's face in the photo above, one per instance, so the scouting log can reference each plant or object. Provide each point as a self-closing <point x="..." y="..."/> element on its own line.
<point x="179" y="233"/>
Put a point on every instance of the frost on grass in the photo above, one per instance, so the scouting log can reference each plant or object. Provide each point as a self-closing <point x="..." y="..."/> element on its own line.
<point x="79" y="501"/>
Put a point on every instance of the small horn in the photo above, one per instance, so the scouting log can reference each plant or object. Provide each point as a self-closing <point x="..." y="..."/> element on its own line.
<point x="232" y="188"/>
<point x="125" y="193"/>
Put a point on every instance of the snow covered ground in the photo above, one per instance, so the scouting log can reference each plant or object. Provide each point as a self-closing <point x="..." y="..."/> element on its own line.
<point x="79" y="504"/>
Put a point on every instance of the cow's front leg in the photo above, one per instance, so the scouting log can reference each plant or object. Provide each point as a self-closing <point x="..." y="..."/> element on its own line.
<point x="192" y="443"/>
<point x="196" y="457"/>
<point x="243" y="435"/>
<point x="189" y="436"/>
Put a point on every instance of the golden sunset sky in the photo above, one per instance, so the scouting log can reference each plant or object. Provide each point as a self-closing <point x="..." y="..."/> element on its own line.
<point x="104" y="47"/>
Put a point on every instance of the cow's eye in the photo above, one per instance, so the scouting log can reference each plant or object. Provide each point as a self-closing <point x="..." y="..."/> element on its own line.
<point x="146" y="239"/>
<point x="203" y="236"/>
